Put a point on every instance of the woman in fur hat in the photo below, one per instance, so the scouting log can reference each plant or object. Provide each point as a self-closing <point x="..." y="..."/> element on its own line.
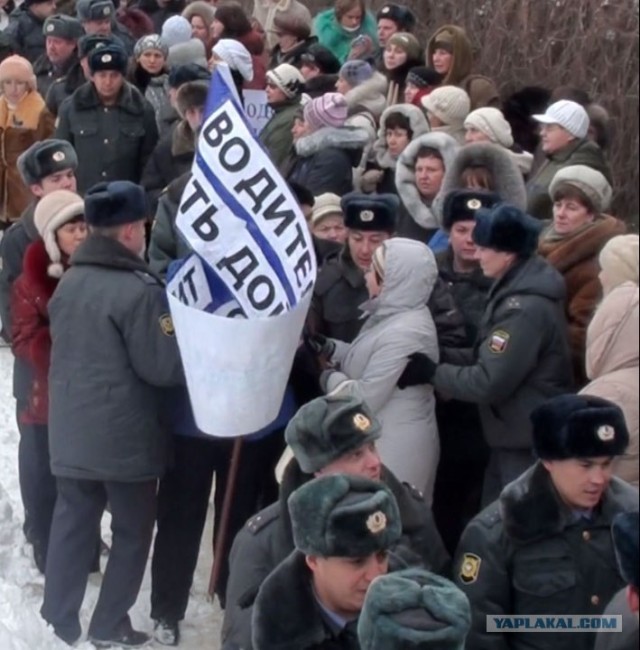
<point x="572" y="243"/>
<point x="24" y="119"/>
<point x="60" y="223"/>
<point x="200" y="15"/>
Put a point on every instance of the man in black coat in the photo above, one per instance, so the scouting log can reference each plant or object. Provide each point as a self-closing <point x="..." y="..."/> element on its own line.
<point x="113" y="350"/>
<point x="25" y="27"/>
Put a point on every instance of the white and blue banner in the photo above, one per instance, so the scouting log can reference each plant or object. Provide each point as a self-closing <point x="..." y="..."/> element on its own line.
<point x="239" y="302"/>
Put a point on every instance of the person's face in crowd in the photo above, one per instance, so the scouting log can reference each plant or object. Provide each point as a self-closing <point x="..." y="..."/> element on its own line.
<point x="580" y="482"/>
<point x="59" y="50"/>
<point x="286" y="41"/>
<point x="394" y="57"/>
<point x="373" y="282"/>
<point x="494" y="264"/>
<point x="410" y="92"/>
<point x="362" y="461"/>
<point x="199" y="29"/>
<point x="363" y="243"/>
<point x="462" y="244"/>
<point x="554" y="138"/>
<point x="570" y="214"/>
<point x="43" y="10"/>
<point x="352" y="19"/>
<point x="62" y="180"/>
<point x="386" y="29"/>
<point x="397" y="140"/>
<point x="472" y="134"/>
<point x="341" y="583"/>
<point x="429" y="174"/>
<point x="274" y="94"/>
<point x="299" y="129"/>
<point x="14" y="90"/>
<point x="194" y="118"/>
<point x="217" y="29"/>
<point x="152" y="61"/>
<point x="342" y="86"/>
<point x="434" y="121"/>
<point x="331" y="228"/>
<point x="309" y="71"/>
<point x="70" y="235"/>
<point x="108" y="84"/>
<point x="442" y="60"/>
<point x="102" y="26"/>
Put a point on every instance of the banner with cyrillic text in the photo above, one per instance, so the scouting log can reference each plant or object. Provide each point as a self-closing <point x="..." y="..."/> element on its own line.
<point x="239" y="302"/>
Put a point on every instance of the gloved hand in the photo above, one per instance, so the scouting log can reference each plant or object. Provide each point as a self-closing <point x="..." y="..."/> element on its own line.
<point x="319" y="345"/>
<point x="420" y="370"/>
<point x="370" y="179"/>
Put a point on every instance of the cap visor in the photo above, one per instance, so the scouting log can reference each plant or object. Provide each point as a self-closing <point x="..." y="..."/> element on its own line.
<point x="544" y="119"/>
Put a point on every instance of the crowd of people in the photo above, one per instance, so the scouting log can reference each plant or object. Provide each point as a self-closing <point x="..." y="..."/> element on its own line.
<point x="459" y="434"/>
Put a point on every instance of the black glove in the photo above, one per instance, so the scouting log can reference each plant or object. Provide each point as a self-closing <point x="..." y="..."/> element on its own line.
<point x="420" y="370"/>
<point x="319" y="345"/>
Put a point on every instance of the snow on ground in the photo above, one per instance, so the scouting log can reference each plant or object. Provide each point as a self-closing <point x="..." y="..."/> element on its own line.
<point x="22" y="587"/>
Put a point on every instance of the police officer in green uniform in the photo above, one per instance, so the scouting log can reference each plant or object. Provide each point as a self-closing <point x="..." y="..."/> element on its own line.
<point x="521" y="356"/>
<point x="343" y="528"/>
<point x="545" y="548"/>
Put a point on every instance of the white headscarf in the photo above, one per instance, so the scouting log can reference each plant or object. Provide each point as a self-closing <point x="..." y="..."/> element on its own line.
<point x="236" y="56"/>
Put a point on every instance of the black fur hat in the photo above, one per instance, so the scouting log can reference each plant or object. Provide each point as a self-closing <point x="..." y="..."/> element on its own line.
<point x="401" y="16"/>
<point x="44" y="158"/>
<point x="370" y="211"/>
<point x="192" y="94"/>
<point x="578" y="426"/>
<point x="344" y="516"/>
<point x="625" y="541"/>
<point x="508" y="229"/>
<point x="115" y="204"/>
<point x="462" y="205"/>
<point x="109" y="57"/>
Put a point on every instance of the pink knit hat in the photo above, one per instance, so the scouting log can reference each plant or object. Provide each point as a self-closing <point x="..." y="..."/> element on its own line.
<point x="18" y="68"/>
<point x="328" y="110"/>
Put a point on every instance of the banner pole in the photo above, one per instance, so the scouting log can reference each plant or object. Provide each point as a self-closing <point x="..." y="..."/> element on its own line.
<point x="223" y="523"/>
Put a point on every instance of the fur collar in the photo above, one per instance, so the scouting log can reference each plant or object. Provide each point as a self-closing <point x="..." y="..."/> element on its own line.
<point x="183" y="141"/>
<point x="286" y="615"/>
<point x="130" y="100"/>
<point x="36" y="264"/>
<point x="27" y="113"/>
<point x="531" y="508"/>
<point x="330" y="137"/>
<point x="370" y="96"/>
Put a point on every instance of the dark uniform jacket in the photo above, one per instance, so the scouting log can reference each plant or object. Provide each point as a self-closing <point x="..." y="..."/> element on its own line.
<point x="529" y="554"/>
<point x="64" y="87"/>
<point x="521" y="357"/>
<point x="25" y="31"/>
<point x="113" y="348"/>
<point x="267" y="540"/>
<point x="112" y="143"/>
<point x="288" y="617"/>
<point x="46" y="73"/>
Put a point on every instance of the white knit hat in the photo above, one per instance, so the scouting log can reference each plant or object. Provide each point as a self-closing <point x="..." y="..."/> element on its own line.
<point x="450" y="104"/>
<point x="176" y="30"/>
<point x="491" y="122"/>
<point x="619" y="259"/>
<point x="587" y="180"/>
<point x="569" y="115"/>
<point x="288" y="78"/>
<point x="53" y="211"/>
<point x="326" y="205"/>
<point x="236" y="56"/>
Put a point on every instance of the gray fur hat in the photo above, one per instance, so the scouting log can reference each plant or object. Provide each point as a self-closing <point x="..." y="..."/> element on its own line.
<point x="44" y="158"/>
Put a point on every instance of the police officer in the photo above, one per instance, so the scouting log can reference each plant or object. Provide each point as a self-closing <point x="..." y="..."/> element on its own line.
<point x="113" y="349"/>
<point x="343" y="528"/>
<point x="99" y="17"/>
<point x="521" y="355"/>
<point x="110" y="124"/>
<point x="60" y="58"/>
<point x="25" y="27"/>
<point x="545" y="546"/>
<point x="331" y="434"/>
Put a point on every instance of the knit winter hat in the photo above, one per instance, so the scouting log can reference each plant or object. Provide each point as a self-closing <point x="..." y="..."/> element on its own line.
<point x="17" y="68"/>
<point x="448" y="103"/>
<point x="407" y="43"/>
<point x="423" y="77"/>
<point x="185" y="53"/>
<point x="569" y="115"/>
<point x="288" y="78"/>
<point x="328" y="110"/>
<point x="201" y="9"/>
<point x="491" y="122"/>
<point x="356" y="72"/>
<point x="326" y="205"/>
<point x="236" y="56"/>
<point x="52" y="211"/>
<point x="588" y="181"/>
<point x="175" y="30"/>
<point x="619" y="259"/>
<point x="150" y="42"/>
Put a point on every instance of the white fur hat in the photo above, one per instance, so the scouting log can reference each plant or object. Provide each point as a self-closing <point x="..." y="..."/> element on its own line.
<point x="492" y="123"/>
<point x="53" y="211"/>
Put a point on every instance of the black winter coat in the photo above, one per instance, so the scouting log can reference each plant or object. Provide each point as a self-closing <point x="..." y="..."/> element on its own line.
<point x="46" y="73"/>
<point x="26" y="33"/>
<point x="64" y="87"/>
<point x="112" y="143"/>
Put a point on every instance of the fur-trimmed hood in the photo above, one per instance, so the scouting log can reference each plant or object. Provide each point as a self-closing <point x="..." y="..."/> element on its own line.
<point x="330" y="137"/>
<point x="183" y="140"/>
<point x="370" y="96"/>
<point x="507" y="177"/>
<point x="462" y="53"/>
<point x="419" y="126"/>
<point x="531" y="508"/>
<point x="421" y="213"/>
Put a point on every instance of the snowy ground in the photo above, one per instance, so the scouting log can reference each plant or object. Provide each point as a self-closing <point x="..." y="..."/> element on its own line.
<point x="21" y="586"/>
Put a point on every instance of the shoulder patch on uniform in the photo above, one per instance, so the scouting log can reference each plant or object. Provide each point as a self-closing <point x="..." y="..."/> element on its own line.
<point x="499" y="341"/>
<point x="513" y="302"/>
<point x="259" y="521"/>
<point x="166" y="325"/>
<point x="147" y="278"/>
<point x="470" y="568"/>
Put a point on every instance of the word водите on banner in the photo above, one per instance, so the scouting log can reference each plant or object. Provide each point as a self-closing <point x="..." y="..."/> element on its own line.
<point x="240" y="300"/>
